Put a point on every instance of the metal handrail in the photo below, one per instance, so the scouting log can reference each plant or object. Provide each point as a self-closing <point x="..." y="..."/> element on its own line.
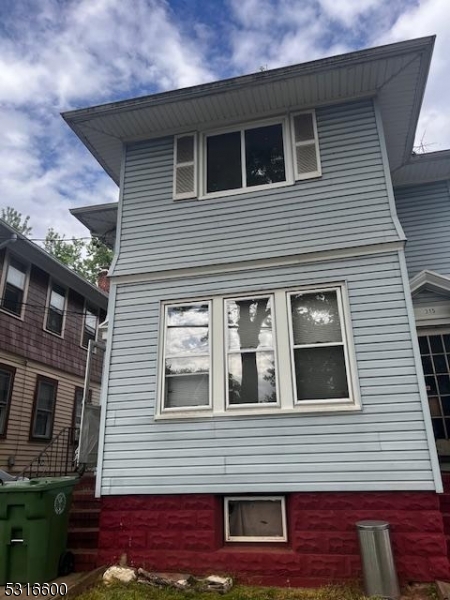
<point x="57" y="458"/>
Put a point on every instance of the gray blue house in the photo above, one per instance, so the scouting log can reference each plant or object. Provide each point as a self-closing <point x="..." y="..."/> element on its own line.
<point x="263" y="388"/>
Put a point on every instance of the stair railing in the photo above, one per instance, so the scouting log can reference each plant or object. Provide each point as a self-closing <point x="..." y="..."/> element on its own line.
<point x="57" y="459"/>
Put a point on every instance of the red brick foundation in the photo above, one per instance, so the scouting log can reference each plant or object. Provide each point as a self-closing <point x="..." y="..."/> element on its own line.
<point x="184" y="533"/>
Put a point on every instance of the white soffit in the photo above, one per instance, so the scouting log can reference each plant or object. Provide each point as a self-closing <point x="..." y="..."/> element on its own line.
<point x="395" y="73"/>
<point x="100" y="219"/>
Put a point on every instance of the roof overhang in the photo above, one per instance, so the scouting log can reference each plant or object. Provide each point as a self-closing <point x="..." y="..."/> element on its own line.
<point x="431" y="281"/>
<point x="32" y="253"/>
<point x="100" y="219"/>
<point x="423" y="168"/>
<point x="396" y="74"/>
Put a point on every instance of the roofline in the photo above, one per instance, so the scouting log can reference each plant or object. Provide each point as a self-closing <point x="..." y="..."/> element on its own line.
<point x="58" y="264"/>
<point x="204" y="89"/>
<point x="434" y="280"/>
<point x="429" y="156"/>
<point x="92" y="208"/>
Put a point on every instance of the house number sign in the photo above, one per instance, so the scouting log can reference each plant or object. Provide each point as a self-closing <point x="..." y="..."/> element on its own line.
<point x="432" y="312"/>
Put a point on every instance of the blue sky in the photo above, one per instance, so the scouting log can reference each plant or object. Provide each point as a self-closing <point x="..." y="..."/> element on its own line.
<point x="58" y="55"/>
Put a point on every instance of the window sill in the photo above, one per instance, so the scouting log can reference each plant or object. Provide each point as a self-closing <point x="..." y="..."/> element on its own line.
<point x="57" y="335"/>
<point x="276" y="411"/>
<point x="11" y="314"/>
<point x="269" y="547"/>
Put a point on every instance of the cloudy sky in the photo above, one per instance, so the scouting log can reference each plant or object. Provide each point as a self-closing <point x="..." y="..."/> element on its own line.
<point x="57" y="55"/>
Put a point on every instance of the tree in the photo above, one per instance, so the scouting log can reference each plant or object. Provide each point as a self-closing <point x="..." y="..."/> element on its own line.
<point x="86" y="259"/>
<point x="16" y="220"/>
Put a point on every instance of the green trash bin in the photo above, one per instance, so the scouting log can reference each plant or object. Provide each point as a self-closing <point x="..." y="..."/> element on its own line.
<point x="34" y="516"/>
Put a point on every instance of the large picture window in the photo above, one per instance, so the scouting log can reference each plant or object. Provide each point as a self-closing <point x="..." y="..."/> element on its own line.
<point x="13" y="294"/>
<point x="288" y="350"/>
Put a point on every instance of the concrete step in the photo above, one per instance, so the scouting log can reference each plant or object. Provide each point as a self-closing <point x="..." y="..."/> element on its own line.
<point x="82" y="538"/>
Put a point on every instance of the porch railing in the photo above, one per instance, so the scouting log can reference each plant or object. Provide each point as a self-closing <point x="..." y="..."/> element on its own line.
<point x="57" y="458"/>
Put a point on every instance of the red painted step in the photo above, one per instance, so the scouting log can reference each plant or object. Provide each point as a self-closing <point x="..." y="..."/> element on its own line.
<point x="84" y="521"/>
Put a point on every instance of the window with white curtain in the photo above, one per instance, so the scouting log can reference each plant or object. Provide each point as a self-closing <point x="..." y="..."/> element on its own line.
<point x="287" y="350"/>
<point x="255" y="519"/>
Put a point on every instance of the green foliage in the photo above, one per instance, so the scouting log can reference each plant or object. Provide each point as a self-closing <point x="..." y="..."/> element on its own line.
<point x="16" y="220"/>
<point x="86" y="259"/>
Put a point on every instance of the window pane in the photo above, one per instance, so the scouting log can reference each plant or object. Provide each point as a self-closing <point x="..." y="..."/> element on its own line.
<point x="264" y="155"/>
<point x="315" y="318"/>
<point x="255" y="518"/>
<point x="440" y="364"/>
<point x="435" y="408"/>
<point x="90" y="321"/>
<point x="427" y="365"/>
<point x="185" y="149"/>
<point x="54" y="321"/>
<point x="251" y="378"/>
<point x="42" y="424"/>
<point x="78" y="407"/>
<point x="2" y="419"/>
<point x="223" y="169"/>
<point x="320" y="373"/>
<point x="438" y="428"/>
<point x="5" y="383"/>
<point x="444" y="384"/>
<point x="16" y="274"/>
<point x="303" y="127"/>
<point x="249" y="323"/>
<point x="12" y="299"/>
<point x="436" y="344"/>
<point x="184" y="316"/>
<point x="45" y="399"/>
<point x="57" y="297"/>
<point x="187" y="390"/>
<point x="423" y="344"/>
<point x="180" y="366"/>
<point x="187" y="340"/>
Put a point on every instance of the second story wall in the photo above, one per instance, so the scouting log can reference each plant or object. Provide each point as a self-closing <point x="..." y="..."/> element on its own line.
<point x="345" y="207"/>
<point x="27" y="337"/>
<point x="424" y="212"/>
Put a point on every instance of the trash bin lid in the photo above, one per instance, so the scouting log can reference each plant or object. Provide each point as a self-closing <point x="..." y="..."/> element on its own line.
<point x="372" y="525"/>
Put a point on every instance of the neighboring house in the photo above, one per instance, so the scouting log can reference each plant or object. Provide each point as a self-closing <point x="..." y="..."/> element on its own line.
<point x="263" y="388"/>
<point x="48" y="314"/>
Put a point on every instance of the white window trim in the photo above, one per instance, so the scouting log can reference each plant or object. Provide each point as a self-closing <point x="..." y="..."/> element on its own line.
<point x="193" y="163"/>
<point x="285" y="378"/>
<point x="25" y="290"/>
<point x="184" y="410"/>
<point x="312" y="174"/>
<point x="97" y="313"/>
<point x="242" y="127"/>
<point x="238" y="538"/>
<point x="47" y="309"/>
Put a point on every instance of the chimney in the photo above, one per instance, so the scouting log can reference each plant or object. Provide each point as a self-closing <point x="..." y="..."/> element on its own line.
<point x="103" y="281"/>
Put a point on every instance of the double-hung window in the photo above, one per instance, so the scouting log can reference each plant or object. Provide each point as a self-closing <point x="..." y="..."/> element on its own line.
<point x="6" y="386"/>
<point x="44" y="408"/>
<point x="245" y="158"/>
<point x="90" y="325"/>
<point x="54" y="320"/>
<point x="13" y="296"/>
<point x="288" y="350"/>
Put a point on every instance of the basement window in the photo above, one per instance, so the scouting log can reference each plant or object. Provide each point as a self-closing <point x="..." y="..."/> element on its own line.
<point x="255" y="519"/>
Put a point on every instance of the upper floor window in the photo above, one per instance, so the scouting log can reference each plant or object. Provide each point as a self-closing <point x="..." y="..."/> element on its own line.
<point x="283" y="351"/>
<point x="54" y="320"/>
<point x="6" y="386"/>
<point x="90" y="325"/>
<point x="14" y="287"/>
<point x="250" y="157"/>
<point x="44" y="408"/>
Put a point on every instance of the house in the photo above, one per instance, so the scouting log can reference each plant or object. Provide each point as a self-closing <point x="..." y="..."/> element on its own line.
<point x="48" y="314"/>
<point x="263" y="388"/>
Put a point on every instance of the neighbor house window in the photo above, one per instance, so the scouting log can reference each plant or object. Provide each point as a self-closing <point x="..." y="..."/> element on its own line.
<point x="250" y="351"/>
<point x="304" y="364"/>
<point x="187" y="360"/>
<point x="255" y="519"/>
<point x="245" y="158"/>
<point x="13" y="295"/>
<point x="44" y="408"/>
<point x="54" y="321"/>
<point x="6" y="386"/>
<point x="90" y="325"/>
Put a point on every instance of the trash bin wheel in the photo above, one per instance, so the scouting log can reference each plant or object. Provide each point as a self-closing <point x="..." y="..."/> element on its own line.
<point x="66" y="563"/>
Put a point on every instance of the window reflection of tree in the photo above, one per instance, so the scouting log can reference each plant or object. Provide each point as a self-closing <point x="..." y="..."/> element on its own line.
<point x="251" y="321"/>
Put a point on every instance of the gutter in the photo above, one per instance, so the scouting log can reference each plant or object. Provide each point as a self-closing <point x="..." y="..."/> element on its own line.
<point x="5" y="243"/>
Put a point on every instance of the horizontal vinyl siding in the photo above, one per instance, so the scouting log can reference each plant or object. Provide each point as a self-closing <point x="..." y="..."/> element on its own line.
<point x="382" y="447"/>
<point x="347" y="206"/>
<point x="17" y="442"/>
<point x="424" y="212"/>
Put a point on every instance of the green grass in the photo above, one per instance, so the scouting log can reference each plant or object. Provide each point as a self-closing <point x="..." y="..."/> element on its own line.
<point x="139" y="591"/>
